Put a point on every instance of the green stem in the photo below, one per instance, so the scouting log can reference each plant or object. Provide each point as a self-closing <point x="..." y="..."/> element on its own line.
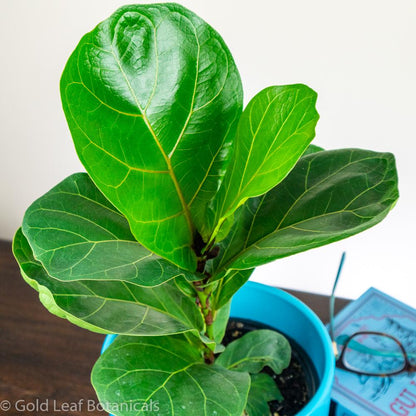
<point x="210" y="330"/>
<point x="204" y="290"/>
<point x="204" y="294"/>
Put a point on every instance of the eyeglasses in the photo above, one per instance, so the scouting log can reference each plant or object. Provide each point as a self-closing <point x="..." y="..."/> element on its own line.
<point x="368" y="353"/>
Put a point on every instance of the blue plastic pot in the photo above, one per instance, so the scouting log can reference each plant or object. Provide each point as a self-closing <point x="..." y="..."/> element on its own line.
<point x="289" y="315"/>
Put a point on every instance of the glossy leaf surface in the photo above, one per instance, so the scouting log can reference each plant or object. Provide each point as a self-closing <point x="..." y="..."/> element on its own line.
<point x="152" y="96"/>
<point x="312" y="148"/>
<point x="328" y="196"/>
<point x="221" y="321"/>
<point x="169" y="372"/>
<point x="228" y="285"/>
<point x="273" y="132"/>
<point x="263" y="389"/>
<point x="110" y="306"/>
<point x="77" y="235"/>
<point x="256" y="349"/>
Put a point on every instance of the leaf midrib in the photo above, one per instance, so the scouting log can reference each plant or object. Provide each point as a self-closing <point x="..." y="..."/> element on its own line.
<point x="165" y="156"/>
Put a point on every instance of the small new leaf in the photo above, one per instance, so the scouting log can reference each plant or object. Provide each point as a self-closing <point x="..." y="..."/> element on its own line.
<point x="220" y="323"/>
<point x="228" y="284"/>
<point x="256" y="349"/>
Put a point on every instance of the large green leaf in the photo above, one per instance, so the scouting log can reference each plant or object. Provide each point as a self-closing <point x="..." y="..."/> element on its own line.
<point x="152" y="96"/>
<point x="273" y="132"/>
<point x="263" y="389"/>
<point x="110" y="306"/>
<point x="328" y="196"/>
<point x="168" y="373"/>
<point x="77" y="234"/>
<point x="256" y="349"/>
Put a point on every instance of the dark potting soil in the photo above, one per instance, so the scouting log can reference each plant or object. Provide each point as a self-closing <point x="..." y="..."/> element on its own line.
<point x="297" y="383"/>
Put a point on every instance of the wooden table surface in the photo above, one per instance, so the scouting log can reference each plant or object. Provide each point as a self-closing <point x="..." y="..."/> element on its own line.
<point x="45" y="361"/>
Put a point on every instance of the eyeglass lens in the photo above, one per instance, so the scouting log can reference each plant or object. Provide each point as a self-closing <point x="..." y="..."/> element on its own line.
<point x="373" y="354"/>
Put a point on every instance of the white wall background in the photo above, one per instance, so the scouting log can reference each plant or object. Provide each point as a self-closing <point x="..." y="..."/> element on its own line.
<point x="359" y="56"/>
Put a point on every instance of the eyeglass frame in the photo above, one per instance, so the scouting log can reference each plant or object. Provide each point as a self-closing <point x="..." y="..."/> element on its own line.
<point x="407" y="367"/>
<point x="339" y="358"/>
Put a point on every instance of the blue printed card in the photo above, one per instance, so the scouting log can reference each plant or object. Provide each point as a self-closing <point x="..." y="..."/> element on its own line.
<point x="358" y="395"/>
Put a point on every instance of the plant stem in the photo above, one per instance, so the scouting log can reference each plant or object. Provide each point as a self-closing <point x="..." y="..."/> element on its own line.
<point x="204" y="290"/>
<point x="210" y="327"/>
<point x="204" y="294"/>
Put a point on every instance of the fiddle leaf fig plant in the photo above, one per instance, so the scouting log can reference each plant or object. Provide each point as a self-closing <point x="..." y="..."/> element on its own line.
<point x="184" y="194"/>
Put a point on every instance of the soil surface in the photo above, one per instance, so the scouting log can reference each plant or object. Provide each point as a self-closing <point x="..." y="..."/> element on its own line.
<point x="297" y="383"/>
